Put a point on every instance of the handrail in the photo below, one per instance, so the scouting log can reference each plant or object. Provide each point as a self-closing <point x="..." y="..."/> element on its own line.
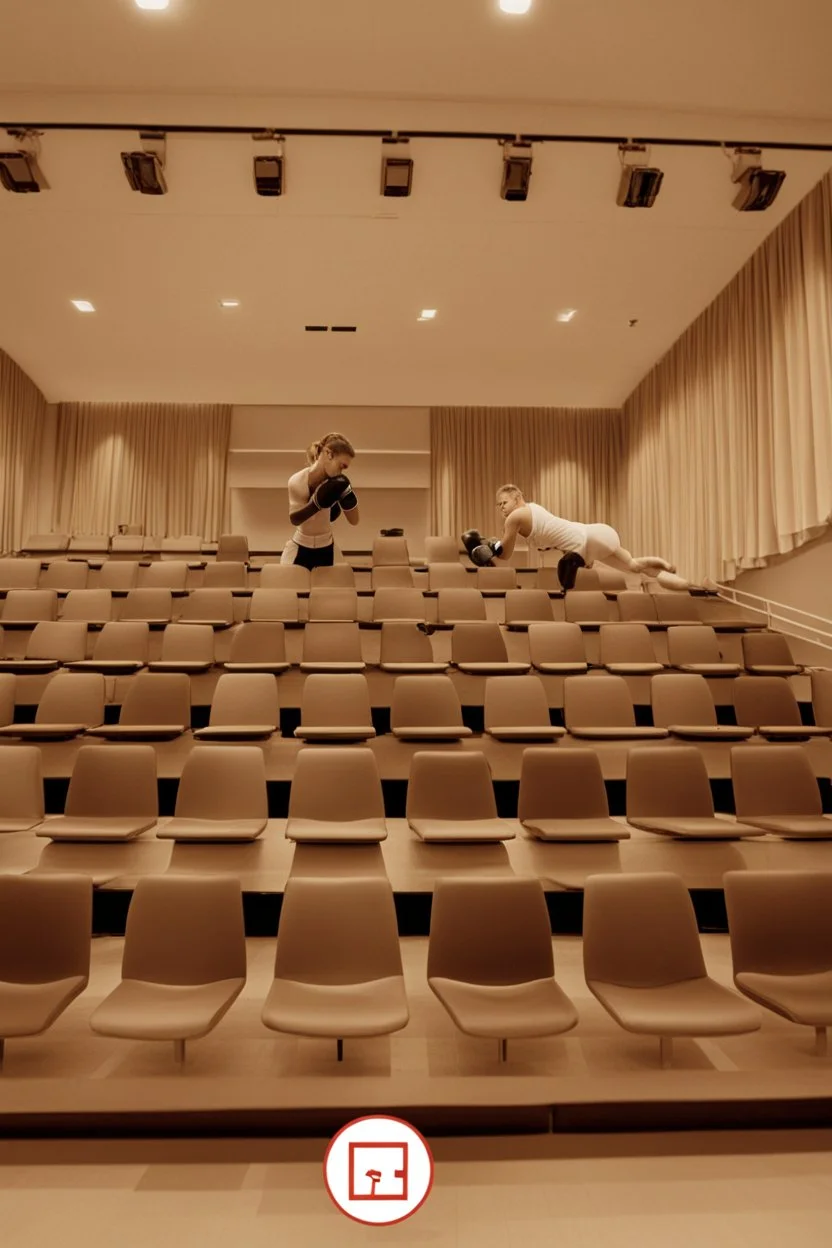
<point x="821" y="637"/>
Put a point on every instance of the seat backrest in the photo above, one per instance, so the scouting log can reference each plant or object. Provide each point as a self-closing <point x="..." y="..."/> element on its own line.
<point x="449" y="576"/>
<point x="822" y="698"/>
<point x="245" y="698"/>
<point x="561" y="784"/>
<point x="88" y="605"/>
<point x="45" y="927"/>
<point x="90" y="543"/>
<point x="223" y="781"/>
<point x="208" y="604"/>
<point x="116" y="780"/>
<point x="123" y="639"/>
<point x="336" y="784"/>
<point x="21" y="782"/>
<point x="780" y="922"/>
<point x="285" y="576"/>
<point x="164" y="574"/>
<point x="8" y="688"/>
<point x="694" y="643"/>
<point x="460" y="604"/>
<point x="626" y="643"/>
<point x="186" y="543"/>
<point x="194" y="642"/>
<point x="441" y="549"/>
<point x="225" y="574"/>
<point x="72" y="698"/>
<point x="157" y="698"/>
<point x="399" y="604"/>
<point x="127" y="543"/>
<point x="118" y="574"/>
<point x="515" y="701"/>
<point x="47" y="542"/>
<point x="337" y="931"/>
<point x="668" y="780"/>
<point x="185" y="929"/>
<point x="445" y="785"/>
<point x="333" y="604"/>
<point x="387" y="550"/>
<point x="402" y="641"/>
<point x="528" y="604"/>
<point x="766" y="649"/>
<point x="19" y="573"/>
<point x="490" y="931"/>
<point x="259" y="641"/>
<point x="640" y="931"/>
<point x="556" y="642"/>
<point x="774" y="780"/>
<point x="609" y="579"/>
<point x="233" y="546"/>
<point x="394" y="576"/>
<point x="332" y="700"/>
<point x="30" y="604"/>
<point x="147" y="604"/>
<point x="64" y="574"/>
<point x="478" y="641"/>
<point x="331" y="641"/>
<point x="338" y="576"/>
<point x="590" y="605"/>
<point x="682" y="698"/>
<point x="496" y="578"/>
<point x="587" y="578"/>
<point x="429" y="701"/>
<point x="597" y="702"/>
<point x="65" y="641"/>
<point x="274" y="604"/>
<point x="765" y="700"/>
<point x="636" y="606"/>
<point x="677" y="606"/>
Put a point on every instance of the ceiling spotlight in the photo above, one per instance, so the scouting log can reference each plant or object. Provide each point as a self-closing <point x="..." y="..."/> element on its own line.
<point x="427" y="314"/>
<point x="639" y="184"/>
<point x="396" y="171"/>
<point x="758" y="187"/>
<point x="19" y="170"/>
<point x="83" y="305"/>
<point x="145" y="170"/>
<point x="156" y="5"/>
<point x="566" y="315"/>
<point x="517" y="170"/>
<point x="515" y="6"/>
<point x="270" y="165"/>
<point x="229" y="303"/>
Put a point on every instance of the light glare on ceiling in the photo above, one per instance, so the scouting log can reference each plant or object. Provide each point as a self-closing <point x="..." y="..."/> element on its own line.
<point x="229" y="303"/>
<point x="515" y="6"/>
<point x="566" y="315"/>
<point x="83" y="305"/>
<point x="427" y="314"/>
<point x="152" y="4"/>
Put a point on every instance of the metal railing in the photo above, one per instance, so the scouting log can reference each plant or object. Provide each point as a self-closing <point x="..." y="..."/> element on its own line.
<point x="773" y="612"/>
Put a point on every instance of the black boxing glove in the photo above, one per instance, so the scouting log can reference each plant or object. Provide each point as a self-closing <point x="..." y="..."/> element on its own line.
<point x="471" y="540"/>
<point x="334" y="512"/>
<point x="483" y="554"/>
<point x="330" y="491"/>
<point x="348" y="499"/>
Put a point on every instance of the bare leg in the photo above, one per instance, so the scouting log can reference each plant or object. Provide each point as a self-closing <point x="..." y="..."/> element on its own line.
<point x="646" y="565"/>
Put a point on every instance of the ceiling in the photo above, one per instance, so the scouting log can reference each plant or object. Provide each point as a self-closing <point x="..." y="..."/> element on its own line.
<point x="332" y="250"/>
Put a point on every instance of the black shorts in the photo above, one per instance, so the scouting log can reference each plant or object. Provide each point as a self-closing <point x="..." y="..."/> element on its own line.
<point x="315" y="556"/>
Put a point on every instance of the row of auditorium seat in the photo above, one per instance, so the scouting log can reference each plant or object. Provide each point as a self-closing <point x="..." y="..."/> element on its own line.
<point x="336" y="796"/>
<point x="231" y="546"/>
<point x="338" y="970"/>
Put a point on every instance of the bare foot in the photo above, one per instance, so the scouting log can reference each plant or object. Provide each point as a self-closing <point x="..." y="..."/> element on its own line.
<point x="708" y="583"/>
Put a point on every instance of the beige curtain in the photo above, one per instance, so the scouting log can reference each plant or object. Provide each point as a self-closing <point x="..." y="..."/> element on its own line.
<point x="158" y="465"/>
<point x="566" y="459"/>
<point x="728" y="441"/>
<point x="23" y="412"/>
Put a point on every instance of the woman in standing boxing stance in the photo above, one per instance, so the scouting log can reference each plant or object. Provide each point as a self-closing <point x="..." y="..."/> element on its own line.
<point x="318" y="494"/>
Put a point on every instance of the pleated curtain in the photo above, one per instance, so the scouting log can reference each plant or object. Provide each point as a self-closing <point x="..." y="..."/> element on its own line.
<point x="23" y="412"/>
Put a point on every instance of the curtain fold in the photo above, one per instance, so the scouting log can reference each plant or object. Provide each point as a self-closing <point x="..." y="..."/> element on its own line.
<point x="159" y="465"/>
<point x="22" y="424"/>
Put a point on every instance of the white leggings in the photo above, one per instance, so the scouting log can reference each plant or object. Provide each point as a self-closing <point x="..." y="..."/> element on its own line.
<point x="604" y="545"/>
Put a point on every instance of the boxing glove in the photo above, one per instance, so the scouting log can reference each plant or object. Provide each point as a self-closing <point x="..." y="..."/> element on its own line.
<point x="348" y="499"/>
<point x="330" y="491"/>
<point x="334" y="512"/>
<point x="483" y="554"/>
<point x="471" y="540"/>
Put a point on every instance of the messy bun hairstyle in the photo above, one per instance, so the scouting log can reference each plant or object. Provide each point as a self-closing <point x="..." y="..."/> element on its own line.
<point x="335" y="442"/>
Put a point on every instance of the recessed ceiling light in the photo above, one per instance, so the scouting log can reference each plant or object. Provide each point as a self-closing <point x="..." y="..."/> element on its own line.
<point x="427" y="314"/>
<point x="152" y="4"/>
<point x="515" y="6"/>
<point x="229" y="303"/>
<point x="83" y="305"/>
<point x="566" y="315"/>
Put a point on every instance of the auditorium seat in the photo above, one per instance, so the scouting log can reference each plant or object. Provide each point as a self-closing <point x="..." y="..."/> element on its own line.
<point x="450" y="798"/>
<point x="90" y="543"/>
<point x="769" y="704"/>
<point x="221" y="795"/>
<point x="547" y="578"/>
<point x="496" y="580"/>
<point x="398" y="604"/>
<point x="226" y="574"/>
<point x="587" y="578"/>
<point x="527" y="606"/>
<point x="775" y="789"/>
<point x="151" y="544"/>
<point x="516" y="709"/>
<point x="331" y="646"/>
<point x="50" y="644"/>
<point x="426" y="708"/>
<point x="93" y="606"/>
<point x="156" y="707"/>
<point x="611" y="582"/>
<point x="557" y="649"/>
<point x="285" y="576"/>
<point x="676" y="607"/>
<point x="118" y="575"/>
<point x="46" y="543"/>
<point x="441" y="549"/>
<point x="112" y="796"/>
<point x="768" y="654"/>
<point x="390" y="550"/>
<point x="669" y="793"/>
<point x="185" y="648"/>
<point x="24" y="608"/>
<point x="683" y="704"/>
<point x="151" y="606"/>
<point x="336" y="797"/>
<point x="563" y="797"/>
<point x="45" y="925"/>
<point x="335" y="707"/>
<point x="406" y="648"/>
<point x="636" y="607"/>
<point x="274" y="604"/>
<point x="490" y="960"/>
<point x="62" y="575"/>
<point x="643" y="961"/>
<point x="338" y="576"/>
<point x="8" y="689"/>
<point x="184" y="960"/>
<point x="187" y="544"/>
<point x="21" y="788"/>
<point x="69" y="705"/>
<point x="120" y="648"/>
<point x="19" y="574"/>
<point x="333" y="604"/>
<point x="169" y="574"/>
<point x="694" y="648"/>
<point x="478" y="649"/>
<point x="244" y="707"/>
<point x="259" y="646"/>
<point x="338" y="965"/>
<point x="821" y="685"/>
<point x="729" y="617"/>
<point x="780" y="927"/>
<point x="448" y="576"/>
<point x="397" y="576"/>
<point x="232" y="547"/>
<point x="127" y="544"/>
<point x="454" y="605"/>
<point x="626" y="650"/>
<point x="600" y="708"/>
<point x="208" y="606"/>
<point x="588" y="607"/>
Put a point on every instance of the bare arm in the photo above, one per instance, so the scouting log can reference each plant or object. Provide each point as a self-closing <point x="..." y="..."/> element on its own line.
<point x="352" y="517"/>
<point x="513" y="527"/>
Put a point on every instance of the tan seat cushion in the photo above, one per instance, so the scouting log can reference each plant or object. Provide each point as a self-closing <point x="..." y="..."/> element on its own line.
<point x="714" y="829"/>
<point x="182" y="829"/>
<point x="711" y="669"/>
<point x="432" y="733"/>
<point x="372" y="1008"/>
<point x="327" y="666"/>
<point x="138" y="732"/>
<point x="136" y="1010"/>
<point x="43" y="732"/>
<point x="802" y="998"/>
<point x="235" y="732"/>
<point x="94" y="828"/>
<point x="619" y="734"/>
<point x="28" y="1009"/>
<point x="796" y="827"/>
<point x="494" y="669"/>
<point x="791" y="732"/>
<point x="416" y="668"/>
<point x="598" y="829"/>
<point x="275" y="668"/>
<point x="337" y="732"/>
<point x="192" y="667"/>
<point x="634" y="669"/>
<point x="534" y="732"/>
<point x="694" y="1007"/>
<point x="507" y="1011"/>
<point x="455" y="830"/>
<point x="340" y="830"/>
<point x="562" y="669"/>
<point x="711" y="732"/>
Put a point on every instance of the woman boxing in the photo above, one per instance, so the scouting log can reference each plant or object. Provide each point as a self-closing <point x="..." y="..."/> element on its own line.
<point x="317" y="496"/>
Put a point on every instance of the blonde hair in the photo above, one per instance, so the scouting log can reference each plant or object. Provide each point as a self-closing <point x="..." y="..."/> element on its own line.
<point x="514" y="490"/>
<point x="334" y="442"/>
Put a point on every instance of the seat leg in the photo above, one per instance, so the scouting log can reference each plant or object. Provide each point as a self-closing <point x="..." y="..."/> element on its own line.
<point x="340" y="1049"/>
<point x="820" y="1042"/>
<point x="179" y="1052"/>
<point x="502" y="1049"/>
<point x="666" y="1051"/>
<point x="2" y="1052"/>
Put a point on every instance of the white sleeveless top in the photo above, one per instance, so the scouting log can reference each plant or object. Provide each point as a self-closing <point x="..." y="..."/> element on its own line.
<point x="553" y="532"/>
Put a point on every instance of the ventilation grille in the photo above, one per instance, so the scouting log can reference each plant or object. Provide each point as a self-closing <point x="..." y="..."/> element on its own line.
<point x="335" y="329"/>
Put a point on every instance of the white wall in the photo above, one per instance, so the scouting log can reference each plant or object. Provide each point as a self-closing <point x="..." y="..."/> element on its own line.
<point x="801" y="579"/>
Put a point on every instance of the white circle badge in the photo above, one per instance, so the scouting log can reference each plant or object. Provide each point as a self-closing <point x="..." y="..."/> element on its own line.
<point x="378" y="1170"/>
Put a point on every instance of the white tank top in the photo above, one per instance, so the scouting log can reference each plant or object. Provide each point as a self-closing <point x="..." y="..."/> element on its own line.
<point x="553" y="532"/>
